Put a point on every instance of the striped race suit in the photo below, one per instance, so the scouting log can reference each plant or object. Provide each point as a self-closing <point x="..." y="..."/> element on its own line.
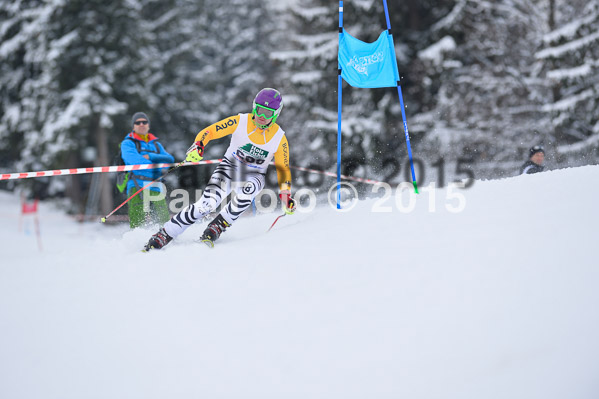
<point x="250" y="152"/>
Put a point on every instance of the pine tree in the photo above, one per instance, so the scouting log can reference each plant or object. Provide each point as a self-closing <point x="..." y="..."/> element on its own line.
<point x="483" y="101"/>
<point x="309" y="75"/>
<point x="76" y="78"/>
<point x="569" y="62"/>
<point x="213" y="61"/>
<point x="26" y="80"/>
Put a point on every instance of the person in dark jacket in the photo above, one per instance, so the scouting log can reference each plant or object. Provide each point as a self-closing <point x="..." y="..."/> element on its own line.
<point x="142" y="147"/>
<point x="536" y="158"/>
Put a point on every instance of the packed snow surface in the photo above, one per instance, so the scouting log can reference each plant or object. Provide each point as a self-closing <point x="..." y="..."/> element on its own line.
<point x="497" y="300"/>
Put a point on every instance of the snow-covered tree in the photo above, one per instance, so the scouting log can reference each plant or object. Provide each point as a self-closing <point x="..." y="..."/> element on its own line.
<point x="569" y="60"/>
<point x="482" y="80"/>
<point x="27" y="84"/>
<point x="213" y="59"/>
<point x="79" y="64"/>
<point x="73" y="72"/>
<point x="483" y="100"/>
<point x="308" y="72"/>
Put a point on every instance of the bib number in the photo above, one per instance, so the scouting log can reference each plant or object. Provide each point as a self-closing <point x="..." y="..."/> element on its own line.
<point x="248" y="158"/>
<point x="251" y="155"/>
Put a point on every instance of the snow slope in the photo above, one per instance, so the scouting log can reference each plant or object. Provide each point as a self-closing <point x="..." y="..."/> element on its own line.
<point x="496" y="301"/>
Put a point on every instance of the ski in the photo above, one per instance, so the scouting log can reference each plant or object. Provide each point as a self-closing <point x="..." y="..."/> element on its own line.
<point x="209" y="243"/>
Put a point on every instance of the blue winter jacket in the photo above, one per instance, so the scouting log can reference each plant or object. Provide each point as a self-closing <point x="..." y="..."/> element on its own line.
<point x="152" y="148"/>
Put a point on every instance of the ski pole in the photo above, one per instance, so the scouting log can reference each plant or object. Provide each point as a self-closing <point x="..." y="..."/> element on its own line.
<point x="103" y="220"/>
<point x="276" y="220"/>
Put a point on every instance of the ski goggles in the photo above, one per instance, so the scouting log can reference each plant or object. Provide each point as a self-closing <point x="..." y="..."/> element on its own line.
<point x="265" y="112"/>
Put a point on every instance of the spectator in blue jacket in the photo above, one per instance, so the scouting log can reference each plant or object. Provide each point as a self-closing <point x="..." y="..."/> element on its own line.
<point x="142" y="147"/>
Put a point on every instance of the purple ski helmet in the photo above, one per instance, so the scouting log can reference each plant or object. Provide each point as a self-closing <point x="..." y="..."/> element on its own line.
<point x="268" y="103"/>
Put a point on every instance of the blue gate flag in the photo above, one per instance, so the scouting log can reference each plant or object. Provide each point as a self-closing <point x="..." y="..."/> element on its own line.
<point x="368" y="65"/>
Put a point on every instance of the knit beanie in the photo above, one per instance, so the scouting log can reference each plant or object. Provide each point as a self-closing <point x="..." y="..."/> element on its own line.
<point x="534" y="150"/>
<point x="139" y="115"/>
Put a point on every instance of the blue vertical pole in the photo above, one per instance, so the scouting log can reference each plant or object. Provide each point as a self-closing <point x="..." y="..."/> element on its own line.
<point x="387" y="14"/>
<point x="403" y="112"/>
<point x="339" y="87"/>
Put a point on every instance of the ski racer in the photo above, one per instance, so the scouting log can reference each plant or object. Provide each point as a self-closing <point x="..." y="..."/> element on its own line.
<point x="256" y="139"/>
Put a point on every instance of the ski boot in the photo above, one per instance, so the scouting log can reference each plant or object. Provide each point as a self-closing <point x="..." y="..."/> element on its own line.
<point x="158" y="240"/>
<point x="214" y="230"/>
